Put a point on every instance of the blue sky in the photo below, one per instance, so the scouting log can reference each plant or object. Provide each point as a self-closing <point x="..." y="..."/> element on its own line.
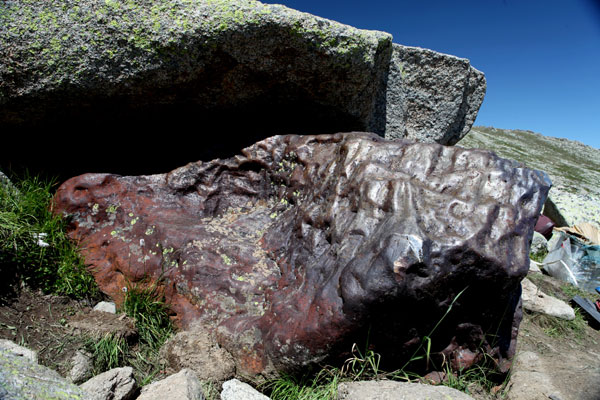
<point x="541" y="58"/>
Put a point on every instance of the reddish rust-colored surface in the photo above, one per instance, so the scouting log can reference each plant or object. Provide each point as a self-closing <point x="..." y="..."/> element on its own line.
<point x="303" y="245"/>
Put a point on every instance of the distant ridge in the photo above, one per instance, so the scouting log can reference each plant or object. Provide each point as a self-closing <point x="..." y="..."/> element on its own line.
<point x="572" y="165"/>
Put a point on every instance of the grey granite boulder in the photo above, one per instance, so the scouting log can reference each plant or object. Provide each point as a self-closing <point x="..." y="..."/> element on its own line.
<point x="82" y="367"/>
<point x="237" y="390"/>
<point x="115" y="384"/>
<point x="565" y="208"/>
<point x="213" y="53"/>
<point x="121" y="66"/>
<point x="431" y="97"/>
<point x="12" y="347"/>
<point x="183" y="385"/>
<point x="536" y="300"/>
<point x="23" y="379"/>
<point x="390" y="390"/>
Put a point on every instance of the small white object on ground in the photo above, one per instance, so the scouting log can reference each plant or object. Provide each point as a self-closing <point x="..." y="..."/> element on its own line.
<point x="106" y="306"/>
<point x="40" y="239"/>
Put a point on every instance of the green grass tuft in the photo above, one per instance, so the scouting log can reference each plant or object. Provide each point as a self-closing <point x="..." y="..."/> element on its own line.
<point x="539" y="256"/>
<point x="561" y="328"/>
<point x="322" y="386"/>
<point x="210" y="390"/>
<point x="145" y="303"/>
<point x="107" y="353"/>
<point x="26" y="221"/>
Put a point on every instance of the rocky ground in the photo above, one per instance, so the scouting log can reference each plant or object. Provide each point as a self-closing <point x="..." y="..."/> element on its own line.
<point x="558" y="360"/>
<point x="39" y="322"/>
<point x="568" y="353"/>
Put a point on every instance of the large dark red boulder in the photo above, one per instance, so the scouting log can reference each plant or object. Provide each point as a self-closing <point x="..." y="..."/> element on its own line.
<point x="303" y="245"/>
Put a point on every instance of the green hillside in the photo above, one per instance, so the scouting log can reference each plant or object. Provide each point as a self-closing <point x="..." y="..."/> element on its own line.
<point x="572" y="166"/>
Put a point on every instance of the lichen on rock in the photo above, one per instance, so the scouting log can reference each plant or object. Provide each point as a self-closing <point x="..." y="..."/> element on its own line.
<point x="374" y="238"/>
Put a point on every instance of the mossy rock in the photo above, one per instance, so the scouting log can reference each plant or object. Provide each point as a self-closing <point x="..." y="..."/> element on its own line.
<point x="20" y="378"/>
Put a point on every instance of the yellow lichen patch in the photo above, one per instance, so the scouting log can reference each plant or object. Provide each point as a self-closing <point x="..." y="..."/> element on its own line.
<point x="227" y="260"/>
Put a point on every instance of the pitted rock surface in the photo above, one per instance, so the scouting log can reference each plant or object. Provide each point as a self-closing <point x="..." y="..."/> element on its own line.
<point x="302" y="245"/>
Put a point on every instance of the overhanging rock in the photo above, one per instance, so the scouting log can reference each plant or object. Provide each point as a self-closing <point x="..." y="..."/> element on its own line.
<point x="302" y="245"/>
<point x="130" y="69"/>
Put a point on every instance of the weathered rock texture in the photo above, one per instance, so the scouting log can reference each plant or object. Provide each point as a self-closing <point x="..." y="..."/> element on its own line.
<point x="138" y="68"/>
<point x="114" y="384"/>
<point x="197" y="349"/>
<point x="181" y="386"/>
<point x="390" y="390"/>
<point x="301" y="245"/>
<point x="236" y="390"/>
<point x="529" y="379"/>
<point x="536" y="300"/>
<point x="23" y="379"/>
<point x="431" y="97"/>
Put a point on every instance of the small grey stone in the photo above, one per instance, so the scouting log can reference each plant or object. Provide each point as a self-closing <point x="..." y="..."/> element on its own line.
<point x="391" y="390"/>
<point x="4" y="181"/>
<point x="539" y="244"/>
<point x="106" y="306"/>
<point x="82" y="367"/>
<point x="537" y="301"/>
<point x="181" y="386"/>
<point x="116" y="384"/>
<point x="533" y="267"/>
<point x="17" y="350"/>
<point x="236" y="390"/>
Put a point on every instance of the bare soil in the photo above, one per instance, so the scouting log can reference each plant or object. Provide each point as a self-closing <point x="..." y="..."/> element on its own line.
<point x="39" y="322"/>
<point x="571" y="359"/>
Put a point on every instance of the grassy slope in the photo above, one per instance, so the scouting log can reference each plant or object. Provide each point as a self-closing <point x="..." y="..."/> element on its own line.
<point x="571" y="165"/>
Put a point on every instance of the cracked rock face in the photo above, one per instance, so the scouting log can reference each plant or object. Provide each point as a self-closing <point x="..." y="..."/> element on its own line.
<point x="303" y="245"/>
